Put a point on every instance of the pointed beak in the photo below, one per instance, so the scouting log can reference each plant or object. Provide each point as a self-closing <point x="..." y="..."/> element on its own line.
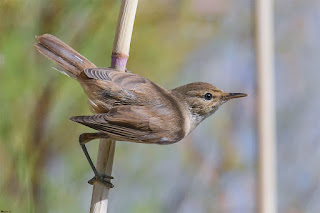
<point x="234" y="95"/>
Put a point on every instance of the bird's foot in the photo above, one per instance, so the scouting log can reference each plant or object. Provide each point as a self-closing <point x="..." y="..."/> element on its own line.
<point x="102" y="178"/>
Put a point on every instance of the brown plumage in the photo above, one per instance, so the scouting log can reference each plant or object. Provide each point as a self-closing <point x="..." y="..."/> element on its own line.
<point x="130" y="107"/>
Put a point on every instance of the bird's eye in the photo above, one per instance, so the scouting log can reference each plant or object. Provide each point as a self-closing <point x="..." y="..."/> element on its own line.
<point x="208" y="96"/>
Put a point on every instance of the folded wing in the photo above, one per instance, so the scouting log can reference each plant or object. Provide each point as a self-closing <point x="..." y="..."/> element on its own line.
<point x="136" y="123"/>
<point x="108" y="88"/>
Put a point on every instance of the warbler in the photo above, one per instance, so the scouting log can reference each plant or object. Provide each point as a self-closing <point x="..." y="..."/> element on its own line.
<point x="130" y="107"/>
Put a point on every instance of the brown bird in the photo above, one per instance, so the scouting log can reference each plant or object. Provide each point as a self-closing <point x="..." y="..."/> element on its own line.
<point x="130" y="107"/>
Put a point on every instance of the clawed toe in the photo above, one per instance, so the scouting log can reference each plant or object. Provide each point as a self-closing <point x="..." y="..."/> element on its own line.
<point x="102" y="179"/>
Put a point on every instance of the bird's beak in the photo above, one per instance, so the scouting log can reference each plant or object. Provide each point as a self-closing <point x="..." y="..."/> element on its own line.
<point x="234" y="95"/>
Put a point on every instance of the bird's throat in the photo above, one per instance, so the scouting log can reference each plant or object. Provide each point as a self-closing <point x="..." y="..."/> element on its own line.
<point x="195" y="120"/>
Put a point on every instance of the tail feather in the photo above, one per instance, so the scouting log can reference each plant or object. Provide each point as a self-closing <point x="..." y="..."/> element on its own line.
<point x="62" y="54"/>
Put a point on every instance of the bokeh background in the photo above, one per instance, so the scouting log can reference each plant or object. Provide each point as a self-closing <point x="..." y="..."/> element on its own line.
<point x="174" y="42"/>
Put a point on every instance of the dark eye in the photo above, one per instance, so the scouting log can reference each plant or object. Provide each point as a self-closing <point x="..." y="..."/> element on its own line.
<point x="208" y="96"/>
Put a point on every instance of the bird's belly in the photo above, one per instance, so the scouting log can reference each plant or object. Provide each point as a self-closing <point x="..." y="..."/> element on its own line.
<point x="166" y="141"/>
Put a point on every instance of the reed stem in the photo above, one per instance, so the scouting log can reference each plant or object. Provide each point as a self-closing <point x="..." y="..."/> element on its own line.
<point x="119" y="57"/>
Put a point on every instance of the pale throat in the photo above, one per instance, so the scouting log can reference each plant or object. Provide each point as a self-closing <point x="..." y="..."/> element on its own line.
<point x="197" y="118"/>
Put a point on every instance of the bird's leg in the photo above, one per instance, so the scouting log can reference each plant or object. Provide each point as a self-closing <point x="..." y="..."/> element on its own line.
<point x="85" y="138"/>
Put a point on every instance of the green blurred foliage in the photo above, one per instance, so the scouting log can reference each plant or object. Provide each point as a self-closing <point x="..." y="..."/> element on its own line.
<point x="36" y="101"/>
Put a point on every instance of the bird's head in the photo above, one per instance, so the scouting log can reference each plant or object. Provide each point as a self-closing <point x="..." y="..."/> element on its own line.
<point x="203" y="99"/>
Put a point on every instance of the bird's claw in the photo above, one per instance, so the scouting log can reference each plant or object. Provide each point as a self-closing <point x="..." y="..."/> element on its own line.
<point x="102" y="179"/>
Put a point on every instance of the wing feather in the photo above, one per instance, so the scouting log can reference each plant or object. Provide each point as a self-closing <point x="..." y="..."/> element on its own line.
<point x="98" y="122"/>
<point x="98" y="73"/>
<point x="134" y="123"/>
<point x="124" y="80"/>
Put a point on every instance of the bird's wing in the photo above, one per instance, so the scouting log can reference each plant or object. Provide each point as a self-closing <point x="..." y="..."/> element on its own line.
<point x="136" y="123"/>
<point x="122" y="88"/>
<point x="125" y="80"/>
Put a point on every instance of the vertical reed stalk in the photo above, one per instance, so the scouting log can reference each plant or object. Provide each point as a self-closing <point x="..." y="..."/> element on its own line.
<point x="266" y="107"/>
<point x="119" y="57"/>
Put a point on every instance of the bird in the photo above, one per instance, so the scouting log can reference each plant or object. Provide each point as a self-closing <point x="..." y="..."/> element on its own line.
<point x="129" y="107"/>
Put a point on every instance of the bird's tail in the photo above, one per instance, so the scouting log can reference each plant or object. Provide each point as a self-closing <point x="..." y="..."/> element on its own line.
<point x="70" y="60"/>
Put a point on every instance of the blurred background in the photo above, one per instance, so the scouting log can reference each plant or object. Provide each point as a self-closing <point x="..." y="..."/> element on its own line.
<point x="174" y="42"/>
